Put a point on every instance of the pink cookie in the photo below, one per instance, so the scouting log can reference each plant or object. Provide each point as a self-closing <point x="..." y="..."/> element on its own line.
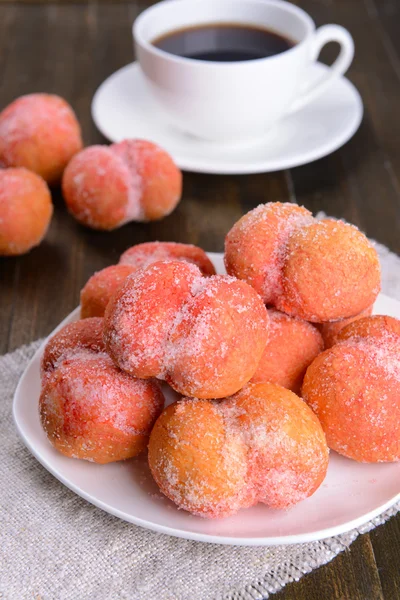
<point x="143" y="255"/>
<point x="92" y="410"/>
<point x="204" y="335"/>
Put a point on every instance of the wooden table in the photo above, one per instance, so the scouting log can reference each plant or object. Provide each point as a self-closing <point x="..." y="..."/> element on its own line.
<point x="69" y="49"/>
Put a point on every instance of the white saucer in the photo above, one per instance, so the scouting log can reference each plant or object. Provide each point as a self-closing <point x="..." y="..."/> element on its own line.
<point x="122" y="108"/>
<point x="352" y="493"/>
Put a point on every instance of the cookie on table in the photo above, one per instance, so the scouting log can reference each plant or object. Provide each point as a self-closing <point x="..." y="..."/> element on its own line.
<point x="41" y="133"/>
<point x="25" y="211"/>
<point x="105" y="187"/>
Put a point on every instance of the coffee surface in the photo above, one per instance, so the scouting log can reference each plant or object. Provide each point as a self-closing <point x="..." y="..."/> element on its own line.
<point x="223" y="42"/>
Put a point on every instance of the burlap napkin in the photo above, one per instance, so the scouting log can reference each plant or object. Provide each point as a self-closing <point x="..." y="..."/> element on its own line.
<point x="56" y="546"/>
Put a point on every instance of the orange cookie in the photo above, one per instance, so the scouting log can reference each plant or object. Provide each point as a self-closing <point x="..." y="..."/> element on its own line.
<point x="39" y="132"/>
<point x="196" y="461"/>
<point x="292" y="346"/>
<point x="354" y="388"/>
<point x="25" y="211"/>
<point x="105" y="187"/>
<point x="96" y="294"/>
<point x="288" y="454"/>
<point x="261" y="445"/>
<point x="330" y="331"/>
<point x="255" y="246"/>
<point x="369" y="328"/>
<point x="331" y="271"/>
<point x="314" y="270"/>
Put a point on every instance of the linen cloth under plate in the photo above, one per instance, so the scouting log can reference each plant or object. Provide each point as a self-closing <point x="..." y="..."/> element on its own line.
<point x="55" y="545"/>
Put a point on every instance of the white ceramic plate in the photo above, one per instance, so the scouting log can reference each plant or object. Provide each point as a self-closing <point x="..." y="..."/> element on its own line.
<point x="351" y="494"/>
<point x="122" y="108"/>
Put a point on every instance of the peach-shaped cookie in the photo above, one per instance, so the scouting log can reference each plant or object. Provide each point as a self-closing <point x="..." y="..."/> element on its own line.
<point x="143" y="255"/>
<point x="254" y="247"/>
<point x="204" y="335"/>
<point x="84" y="335"/>
<point x="292" y="346"/>
<point x="331" y="271"/>
<point x="25" y="211"/>
<point x="96" y="294"/>
<point x="197" y="461"/>
<point x="105" y="187"/>
<point x="90" y="409"/>
<point x="39" y="132"/>
<point x="354" y="388"/>
<point x="314" y="270"/>
<point x="263" y="444"/>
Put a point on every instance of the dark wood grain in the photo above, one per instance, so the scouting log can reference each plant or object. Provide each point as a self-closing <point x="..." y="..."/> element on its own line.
<point x="351" y="576"/>
<point x="70" y="48"/>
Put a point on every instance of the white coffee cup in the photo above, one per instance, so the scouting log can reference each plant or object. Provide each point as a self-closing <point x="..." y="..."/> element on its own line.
<point x="227" y="101"/>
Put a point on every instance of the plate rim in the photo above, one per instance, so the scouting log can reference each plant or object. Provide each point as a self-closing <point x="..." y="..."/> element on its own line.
<point x="268" y="166"/>
<point x="191" y="535"/>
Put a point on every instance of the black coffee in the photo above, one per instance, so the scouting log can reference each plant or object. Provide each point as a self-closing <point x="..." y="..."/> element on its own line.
<point x="222" y="42"/>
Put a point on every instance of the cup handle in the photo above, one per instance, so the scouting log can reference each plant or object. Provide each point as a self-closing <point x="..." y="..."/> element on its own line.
<point x="323" y="35"/>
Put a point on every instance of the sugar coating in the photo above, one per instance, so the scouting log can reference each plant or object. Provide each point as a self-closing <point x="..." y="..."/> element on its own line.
<point x="292" y="346"/>
<point x="81" y="336"/>
<point x="39" y="132"/>
<point x="261" y="445"/>
<point x="99" y="289"/>
<point x="91" y="410"/>
<point x="129" y="157"/>
<point x="288" y="451"/>
<point x="205" y="336"/>
<point x="105" y="187"/>
<point x="354" y="388"/>
<point x="314" y="270"/>
<point x="143" y="255"/>
<point x="25" y="211"/>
